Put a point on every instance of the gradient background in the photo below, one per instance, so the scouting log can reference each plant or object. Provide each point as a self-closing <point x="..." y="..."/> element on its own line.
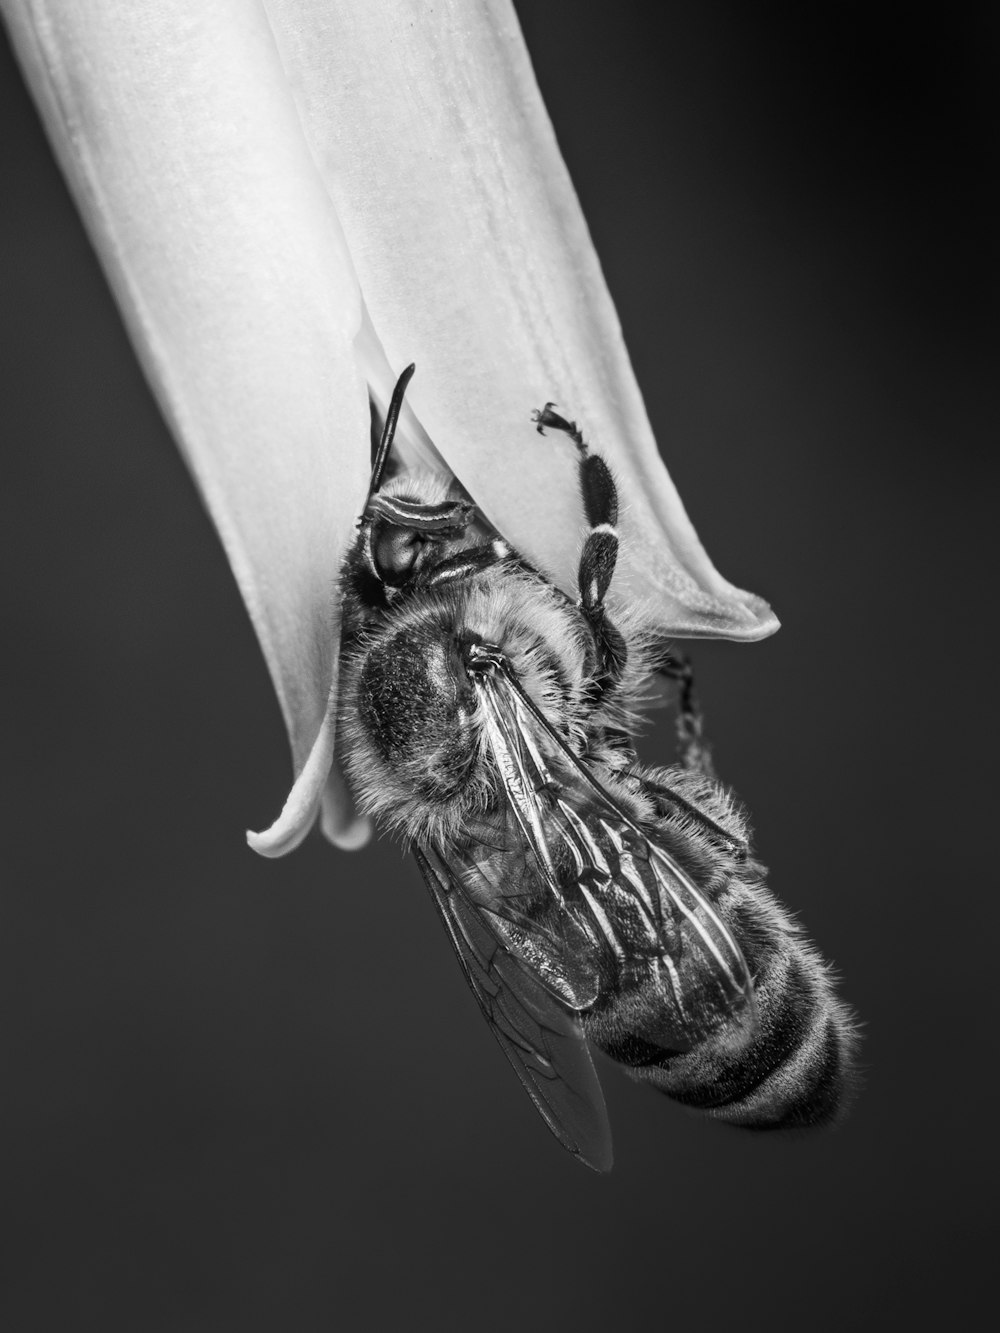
<point x="248" y="1095"/>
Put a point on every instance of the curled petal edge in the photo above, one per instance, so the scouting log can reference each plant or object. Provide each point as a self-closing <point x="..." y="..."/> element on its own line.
<point x="319" y="790"/>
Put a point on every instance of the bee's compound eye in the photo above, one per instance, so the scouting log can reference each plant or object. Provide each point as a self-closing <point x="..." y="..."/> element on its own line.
<point x="394" y="552"/>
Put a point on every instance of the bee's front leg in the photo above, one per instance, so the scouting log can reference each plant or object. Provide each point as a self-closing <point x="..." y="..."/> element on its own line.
<point x="465" y="564"/>
<point x="600" y="549"/>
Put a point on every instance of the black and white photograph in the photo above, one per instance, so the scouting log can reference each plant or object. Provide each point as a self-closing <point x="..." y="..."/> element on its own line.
<point x="498" y="770"/>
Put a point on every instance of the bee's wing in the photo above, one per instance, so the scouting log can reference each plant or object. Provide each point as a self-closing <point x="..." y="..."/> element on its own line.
<point x="703" y="980"/>
<point x="638" y="903"/>
<point x="541" y="1038"/>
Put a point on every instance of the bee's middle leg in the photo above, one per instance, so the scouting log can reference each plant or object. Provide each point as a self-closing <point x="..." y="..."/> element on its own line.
<point x="600" y="549"/>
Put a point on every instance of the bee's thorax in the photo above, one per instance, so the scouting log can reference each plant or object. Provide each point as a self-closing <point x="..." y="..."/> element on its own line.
<point x="410" y="717"/>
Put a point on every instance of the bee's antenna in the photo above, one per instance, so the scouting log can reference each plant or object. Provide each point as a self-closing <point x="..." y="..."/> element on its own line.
<point x="380" y="456"/>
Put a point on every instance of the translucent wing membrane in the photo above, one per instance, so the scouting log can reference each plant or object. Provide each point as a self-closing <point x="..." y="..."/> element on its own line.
<point x="557" y="902"/>
<point x="640" y="913"/>
<point x="542" y="1040"/>
<point x="500" y="877"/>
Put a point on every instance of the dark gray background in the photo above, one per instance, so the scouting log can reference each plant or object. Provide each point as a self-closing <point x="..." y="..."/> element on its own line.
<point x="248" y="1095"/>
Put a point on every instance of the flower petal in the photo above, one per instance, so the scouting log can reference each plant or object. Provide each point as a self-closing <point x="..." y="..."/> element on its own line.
<point x="319" y="789"/>
<point x="475" y="262"/>
<point x="240" y="166"/>
<point x="174" y="125"/>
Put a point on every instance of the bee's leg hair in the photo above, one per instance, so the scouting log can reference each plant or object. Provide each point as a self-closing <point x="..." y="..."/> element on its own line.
<point x="696" y="753"/>
<point x="600" y="549"/>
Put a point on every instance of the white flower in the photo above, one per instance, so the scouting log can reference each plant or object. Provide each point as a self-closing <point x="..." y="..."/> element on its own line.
<point x="293" y="199"/>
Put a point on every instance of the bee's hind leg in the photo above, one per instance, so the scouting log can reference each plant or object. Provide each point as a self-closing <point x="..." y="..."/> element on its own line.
<point x="600" y="549"/>
<point x="696" y="754"/>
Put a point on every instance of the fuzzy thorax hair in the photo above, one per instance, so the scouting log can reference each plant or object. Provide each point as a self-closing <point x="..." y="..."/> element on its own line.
<point x="410" y="723"/>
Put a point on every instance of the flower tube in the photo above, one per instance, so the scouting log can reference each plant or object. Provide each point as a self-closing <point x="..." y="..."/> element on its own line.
<point x="293" y="199"/>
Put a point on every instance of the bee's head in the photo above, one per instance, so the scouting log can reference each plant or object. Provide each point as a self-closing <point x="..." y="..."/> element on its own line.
<point x="412" y="519"/>
<point x="395" y="551"/>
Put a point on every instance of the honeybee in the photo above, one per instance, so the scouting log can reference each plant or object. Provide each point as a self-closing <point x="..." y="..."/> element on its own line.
<point x="488" y="718"/>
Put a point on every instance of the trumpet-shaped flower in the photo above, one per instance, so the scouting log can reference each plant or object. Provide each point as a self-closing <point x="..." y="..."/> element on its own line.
<point x="292" y="200"/>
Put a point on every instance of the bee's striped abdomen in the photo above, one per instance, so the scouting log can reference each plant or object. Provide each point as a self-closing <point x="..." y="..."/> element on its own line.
<point x="798" y="1068"/>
